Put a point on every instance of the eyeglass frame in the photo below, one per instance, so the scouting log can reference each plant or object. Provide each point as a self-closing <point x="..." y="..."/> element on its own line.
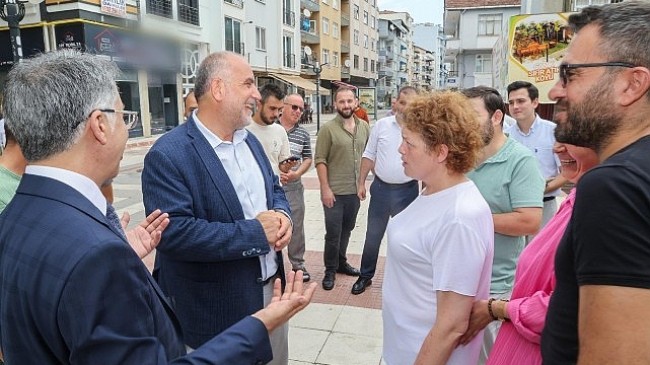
<point x="132" y="119"/>
<point x="564" y="67"/>
<point x="295" y="107"/>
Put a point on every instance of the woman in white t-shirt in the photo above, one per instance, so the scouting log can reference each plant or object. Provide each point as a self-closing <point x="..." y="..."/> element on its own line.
<point x="440" y="247"/>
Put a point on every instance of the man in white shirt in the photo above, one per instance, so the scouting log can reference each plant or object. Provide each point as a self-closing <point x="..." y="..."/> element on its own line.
<point x="272" y="136"/>
<point x="538" y="135"/>
<point x="391" y="191"/>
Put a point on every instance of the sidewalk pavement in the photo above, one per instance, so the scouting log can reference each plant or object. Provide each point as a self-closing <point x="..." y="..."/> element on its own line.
<point x="337" y="328"/>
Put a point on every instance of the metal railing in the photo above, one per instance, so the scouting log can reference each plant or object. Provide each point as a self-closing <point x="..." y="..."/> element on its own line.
<point x="160" y="7"/>
<point x="188" y="14"/>
<point x="289" y="18"/>
<point x="235" y="47"/>
<point x="238" y="3"/>
<point x="289" y="60"/>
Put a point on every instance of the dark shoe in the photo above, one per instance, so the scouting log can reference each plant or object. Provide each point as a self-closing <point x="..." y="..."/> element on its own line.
<point x="361" y="285"/>
<point x="348" y="270"/>
<point x="305" y="275"/>
<point x="328" y="280"/>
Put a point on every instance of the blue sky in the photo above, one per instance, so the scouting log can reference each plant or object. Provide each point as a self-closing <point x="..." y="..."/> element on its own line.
<point x="421" y="10"/>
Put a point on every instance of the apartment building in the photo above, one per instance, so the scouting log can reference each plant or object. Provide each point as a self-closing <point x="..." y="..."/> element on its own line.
<point x="424" y="69"/>
<point x="395" y="52"/>
<point x="472" y="27"/>
<point x="359" y="39"/>
<point x="431" y="37"/>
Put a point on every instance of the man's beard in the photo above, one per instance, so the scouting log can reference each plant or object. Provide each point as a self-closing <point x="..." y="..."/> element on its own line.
<point x="266" y="120"/>
<point x="591" y="123"/>
<point x="488" y="132"/>
<point x="345" y="113"/>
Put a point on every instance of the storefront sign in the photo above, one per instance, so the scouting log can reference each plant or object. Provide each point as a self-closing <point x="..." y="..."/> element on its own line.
<point x="114" y="7"/>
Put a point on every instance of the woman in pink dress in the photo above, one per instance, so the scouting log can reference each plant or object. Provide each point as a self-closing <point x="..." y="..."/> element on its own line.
<point x="518" y="341"/>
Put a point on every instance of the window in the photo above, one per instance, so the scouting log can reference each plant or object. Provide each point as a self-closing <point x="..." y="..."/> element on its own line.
<point x="160" y="7"/>
<point x="326" y="56"/>
<point x="233" y="36"/>
<point x="373" y="21"/>
<point x="356" y="62"/>
<point x="326" y="26"/>
<point x="335" y="59"/>
<point x="237" y="3"/>
<point x="365" y="17"/>
<point x="365" y="64"/>
<point x="365" y="41"/>
<point x="372" y="44"/>
<point x="372" y="65"/>
<point x="260" y="38"/>
<point x="335" y="4"/>
<point x="356" y="12"/>
<point x="188" y="11"/>
<point x="579" y="4"/>
<point x="483" y="63"/>
<point x="356" y="37"/>
<point x="335" y="30"/>
<point x="289" y="59"/>
<point x="489" y="24"/>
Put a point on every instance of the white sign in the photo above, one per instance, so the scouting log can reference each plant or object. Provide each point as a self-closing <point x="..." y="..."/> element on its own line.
<point x="114" y="7"/>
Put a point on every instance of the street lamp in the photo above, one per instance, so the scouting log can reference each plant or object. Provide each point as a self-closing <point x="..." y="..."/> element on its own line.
<point x="13" y="11"/>
<point x="318" y="68"/>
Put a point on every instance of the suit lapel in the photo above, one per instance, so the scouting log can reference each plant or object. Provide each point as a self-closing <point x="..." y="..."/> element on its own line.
<point x="216" y="171"/>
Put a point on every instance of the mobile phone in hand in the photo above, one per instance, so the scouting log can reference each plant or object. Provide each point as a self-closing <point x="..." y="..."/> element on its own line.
<point x="290" y="159"/>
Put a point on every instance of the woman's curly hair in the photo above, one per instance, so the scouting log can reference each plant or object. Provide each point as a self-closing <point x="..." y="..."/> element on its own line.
<point x="447" y="118"/>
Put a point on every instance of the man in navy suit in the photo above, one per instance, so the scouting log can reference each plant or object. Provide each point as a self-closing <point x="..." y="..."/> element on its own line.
<point x="72" y="291"/>
<point x="229" y="218"/>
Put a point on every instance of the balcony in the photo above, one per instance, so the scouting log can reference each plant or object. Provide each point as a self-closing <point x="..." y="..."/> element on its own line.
<point x="237" y="3"/>
<point x="345" y="19"/>
<point x="387" y="72"/>
<point x="289" y="60"/>
<point x="188" y="14"/>
<point x="289" y="18"/>
<point x="345" y="72"/>
<point x="236" y="47"/>
<point x="308" y="32"/>
<point x="311" y="5"/>
<point x="386" y="54"/>
<point x="345" y="46"/>
<point x="160" y="8"/>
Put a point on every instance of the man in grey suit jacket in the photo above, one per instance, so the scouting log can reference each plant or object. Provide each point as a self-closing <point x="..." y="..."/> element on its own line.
<point x="72" y="291"/>
<point x="229" y="218"/>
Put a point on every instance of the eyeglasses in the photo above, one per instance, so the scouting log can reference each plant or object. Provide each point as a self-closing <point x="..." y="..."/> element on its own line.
<point x="295" y="107"/>
<point x="566" y="68"/>
<point x="130" y="117"/>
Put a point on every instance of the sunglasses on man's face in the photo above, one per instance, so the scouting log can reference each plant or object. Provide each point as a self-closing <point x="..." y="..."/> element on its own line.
<point x="296" y="107"/>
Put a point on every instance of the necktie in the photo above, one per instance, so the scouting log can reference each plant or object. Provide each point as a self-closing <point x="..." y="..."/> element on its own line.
<point x="113" y="219"/>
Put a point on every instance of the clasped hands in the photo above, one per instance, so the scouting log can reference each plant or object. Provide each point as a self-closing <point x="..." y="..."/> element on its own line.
<point x="277" y="228"/>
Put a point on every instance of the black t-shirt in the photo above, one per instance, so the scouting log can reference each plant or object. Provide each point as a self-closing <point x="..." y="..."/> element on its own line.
<point x="607" y="242"/>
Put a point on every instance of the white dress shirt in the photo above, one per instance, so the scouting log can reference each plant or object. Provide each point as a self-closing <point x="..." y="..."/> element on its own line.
<point x="540" y="141"/>
<point x="78" y="182"/>
<point x="246" y="177"/>
<point x="382" y="148"/>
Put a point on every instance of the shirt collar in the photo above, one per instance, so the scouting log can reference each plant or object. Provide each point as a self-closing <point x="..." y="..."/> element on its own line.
<point x="78" y="182"/>
<point x="532" y="126"/>
<point x="214" y="141"/>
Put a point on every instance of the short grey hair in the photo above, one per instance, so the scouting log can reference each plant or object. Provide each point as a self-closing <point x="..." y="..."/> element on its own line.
<point x="624" y="28"/>
<point x="49" y="98"/>
<point x="215" y="65"/>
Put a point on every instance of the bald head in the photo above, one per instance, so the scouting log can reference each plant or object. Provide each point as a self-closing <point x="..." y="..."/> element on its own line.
<point x="218" y="64"/>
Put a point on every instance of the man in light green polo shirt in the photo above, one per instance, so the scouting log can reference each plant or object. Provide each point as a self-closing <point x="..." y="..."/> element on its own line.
<point x="12" y="166"/>
<point x="509" y="179"/>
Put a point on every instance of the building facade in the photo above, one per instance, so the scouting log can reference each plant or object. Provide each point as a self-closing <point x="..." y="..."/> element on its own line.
<point x="360" y="35"/>
<point x="472" y="28"/>
<point x="395" y="53"/>
<point x="431" y="37"/>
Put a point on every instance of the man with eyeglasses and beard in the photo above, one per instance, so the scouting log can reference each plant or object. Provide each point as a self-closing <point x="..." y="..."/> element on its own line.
<point x="339" y="149"/>
<point x="599" y="312"/>
<point x="509" y="179"/>
<point x="300" y="147"/>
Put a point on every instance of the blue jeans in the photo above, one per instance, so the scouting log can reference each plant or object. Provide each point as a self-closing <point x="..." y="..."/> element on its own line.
<point x="339" y="223"/>
<point x="386" y="200"/>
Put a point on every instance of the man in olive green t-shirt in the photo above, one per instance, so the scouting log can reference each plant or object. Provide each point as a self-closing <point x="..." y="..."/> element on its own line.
<point x="339" y="147"/>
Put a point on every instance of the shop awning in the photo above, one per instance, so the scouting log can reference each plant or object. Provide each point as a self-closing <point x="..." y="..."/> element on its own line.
<point x="308" y="85"/>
